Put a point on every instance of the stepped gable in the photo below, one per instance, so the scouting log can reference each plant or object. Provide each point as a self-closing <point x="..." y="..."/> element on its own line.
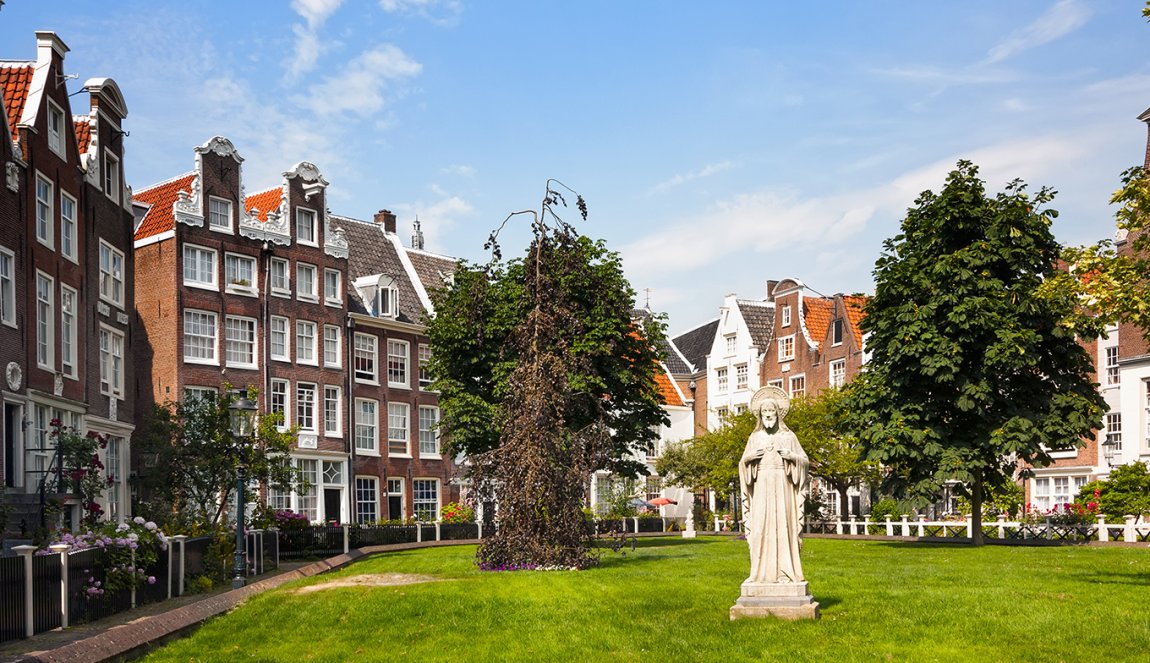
<point x="160" y="198"/>
<point x="694" y="344"/>
<point x="372" y="251"/>
<point x="760" y="319"/>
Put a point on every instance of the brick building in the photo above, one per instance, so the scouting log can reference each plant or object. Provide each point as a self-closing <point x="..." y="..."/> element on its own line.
<point x="250" y="290"/>
<point x="66" y="293"/>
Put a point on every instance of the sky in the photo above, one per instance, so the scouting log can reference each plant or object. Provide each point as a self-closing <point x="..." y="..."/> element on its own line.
<point x="718" y="145"/>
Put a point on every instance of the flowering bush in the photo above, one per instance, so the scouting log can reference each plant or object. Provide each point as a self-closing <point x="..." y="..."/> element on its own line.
<point x="129" y="549"/>
<point x="453" y="512"/>
<point x="82" y="468"/>
<point x="1070" y="513"/>
<point x="289" y="521"/>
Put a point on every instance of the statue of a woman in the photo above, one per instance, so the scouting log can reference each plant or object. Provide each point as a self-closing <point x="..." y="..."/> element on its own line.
<point x="773" y="474"/>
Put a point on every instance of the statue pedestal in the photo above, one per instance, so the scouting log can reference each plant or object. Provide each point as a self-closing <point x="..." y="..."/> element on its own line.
<point x="786" y="600"/>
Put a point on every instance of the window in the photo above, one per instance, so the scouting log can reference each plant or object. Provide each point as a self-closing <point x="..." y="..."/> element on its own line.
<point x="741" y="376"/>
<point x="115" y="476"/>
<point x="364" y="355"/>
<point x="426" y="494"/>
<point x="240" y="341"/>
<point x="367" y="426"/>
<point x="397" y="363"/>
<point x="775" y="383"/>
<point x="305" y="406"/>
<point x="111" y="274"/>
<point x="112" y="176"/>
<point x="44" y="211"/>
<point x="306" y="501"/>
<point x="786" y="348"/>
<point x="278" y="338"/>
<point x="68" y="299"/>
<point x="397" y="429"/>
<point x="332" y="346"/>
<point x="239" y="271"/>
<point x="730" y="344"/>
<point x="786" y="312"/>
<point x="395" y="509"/>
<point x="1061" y="490"/>
<point x="428" y="434"/>
<point x="111" y="362"/>
<point x="280" y="282"/>
<point x="332" y="400"/>
<point x="219" y="214"/>
<point x="201" y="394"/>
<point x="56" y="140"/>
<point x="837" y="332"/>
<point x="654" y="487"/>
<point x="199" y="337"/>
<point x="838" y="372"/>
<point x="1146" y="391"/>
<point x="199" y="267"/>
<point x="798" y="386"/>
<point x="8" y="287"/>
<point x="68" y="226"/>
<point x="721" y="380"/>
<point x="332" y="472"/>
<point x="722" y="413"/>
<point x="386" y="303"/>
<point x="1114" y="430"/>
<point x="332" y="281"/>
<point x="45" y="327"/>
<point x="424" y="366"/>
<point x="305" y="281"/>
<point x="305" y="342"/>
<point x="1112" y="366"/>
<point x="305" y="230"/>
<point x="366" y="500"/>
<point x="278" y="401"/>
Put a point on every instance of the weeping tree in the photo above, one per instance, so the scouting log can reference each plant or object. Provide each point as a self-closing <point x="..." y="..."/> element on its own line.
<point x="544" y="379"/>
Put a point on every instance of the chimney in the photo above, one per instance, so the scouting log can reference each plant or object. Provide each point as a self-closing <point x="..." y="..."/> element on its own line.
<point x="385" y="218"/>
<point x="771" y="289"/>
<point x="417" y="236"/>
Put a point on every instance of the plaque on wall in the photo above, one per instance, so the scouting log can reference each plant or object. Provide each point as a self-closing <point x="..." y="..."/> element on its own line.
<point x="14" y="375"/>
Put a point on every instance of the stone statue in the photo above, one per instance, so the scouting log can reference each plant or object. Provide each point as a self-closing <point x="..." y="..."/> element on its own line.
<point x="772" y="477"/>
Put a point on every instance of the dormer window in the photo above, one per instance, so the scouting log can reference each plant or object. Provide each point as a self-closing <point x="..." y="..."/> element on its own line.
<point x="220" y="214"/>
<point x="380" y="294"/>
<point x="305" y="230"/>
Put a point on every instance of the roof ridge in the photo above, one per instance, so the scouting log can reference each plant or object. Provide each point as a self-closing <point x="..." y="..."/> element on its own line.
<point x="756" y="302"/>
<point x="432" y="254"/>
<point x="17" y="63"/>
<point x="696" y="328"/>
<point x="159" y="184"/>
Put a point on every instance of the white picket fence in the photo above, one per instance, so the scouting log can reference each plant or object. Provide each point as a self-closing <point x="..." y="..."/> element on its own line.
<point x="1129" y="531"/>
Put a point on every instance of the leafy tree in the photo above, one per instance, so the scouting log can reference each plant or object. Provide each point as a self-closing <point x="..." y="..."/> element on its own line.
<point x="710" y="460"/>
<point x="835" y="457"/>
<point x="972" y="374"/>
<point x="1125" y="492"/>
<point x="191" y="461"/>
<point x="544" y="379"/>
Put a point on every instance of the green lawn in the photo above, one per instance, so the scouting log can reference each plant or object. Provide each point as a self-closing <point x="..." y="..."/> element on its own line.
<point x="668" y="601"/>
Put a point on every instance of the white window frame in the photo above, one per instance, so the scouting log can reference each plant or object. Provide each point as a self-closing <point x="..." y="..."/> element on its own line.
<point x="305" y="412"/>
<point x="837" y="375"/>
<point x="112" y="176"/>
<point x="283" y="287"/>
<point x="332" y="418"/>
<point x="405" y="383"/>
<point x="332" y="297"/>
<point x="402" y="433"/>
<point x="365" y="352"/>
<point x="45" y="321"/>
<point x="777" y="382"/>
<point x="787" y="348"/>
<point x="1114" y="429"/>
<point x="57" y="141"/>
<point x="1113" y="376"/>
<point x="742" y="376"/>
<point x="45" y="211"/>
<point x="722" y="384"/>
<point x="213" y="214"/>
<point x="111" y="364"/>
<point x="802" y="391"/>
<point x="301" y="294"/>
<point x="416" y="502"/>
<point x="233" y="278"/>
<point x="305" y="349"/>
<point x="214" y="359"/>
<point x="366" y="493"/>
<point x="786" y="315"/>
<point x="279" y="327"/>
<point x="195" y="255"/>
<point x="300" y="214"/>
<point x="69" y="307"/>
<point x="231" y="323"/>
<point x="192" y="391"/>
<point x="332" y="346"/>
<point x="731" y="341"/>
<point x="68" y="225"/>
<point x="8" y="287"/>
<point x="400" y="491"/>
<point x="366" y="427"/>
<point x="429" y="435"/>
<point x="424" y="366"/>
<point x="111" y="284"/>
<point x="279" y="400"/>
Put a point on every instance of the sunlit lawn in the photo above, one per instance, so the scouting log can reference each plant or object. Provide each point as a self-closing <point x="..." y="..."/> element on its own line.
<point x="669" y="601"/>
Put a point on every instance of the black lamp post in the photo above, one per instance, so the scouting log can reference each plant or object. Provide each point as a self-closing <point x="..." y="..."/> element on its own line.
<point x="1109" y="447"/>
<point x="241" y="423"/>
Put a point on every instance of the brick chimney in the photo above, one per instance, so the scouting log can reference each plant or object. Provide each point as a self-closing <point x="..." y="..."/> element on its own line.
<point x="771" y="289"/>
<point x="385" y="218"/>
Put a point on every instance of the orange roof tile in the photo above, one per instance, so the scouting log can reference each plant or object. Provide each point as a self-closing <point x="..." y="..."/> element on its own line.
<point x="667" y="388"/>
<point x="265" y="201"/>
<point x="161" y="197"/>
<point x="83" y="133"/>
<point x="817" y="317"/>
<point x="15" y="80"/>
<point x="854" y="306"/>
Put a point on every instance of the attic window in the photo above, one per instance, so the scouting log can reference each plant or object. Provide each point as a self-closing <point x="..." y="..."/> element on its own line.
<point x="837" y="332"/>
<point x="56" y="129"/>
<point x="380" y="294"/>
<point x="787" y="316"/>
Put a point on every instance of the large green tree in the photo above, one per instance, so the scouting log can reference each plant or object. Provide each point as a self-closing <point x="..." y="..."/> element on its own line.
<point x="544" y="378"/>
<point x="710" y="460"/>
<point x="972" y="373"/>
<point x="836" y="457"/>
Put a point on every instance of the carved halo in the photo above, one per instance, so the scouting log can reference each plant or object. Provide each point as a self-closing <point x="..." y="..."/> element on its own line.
<point x="781" y="399"/>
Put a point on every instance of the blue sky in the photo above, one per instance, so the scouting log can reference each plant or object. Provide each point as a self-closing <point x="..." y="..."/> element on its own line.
<point x="718" y="145"/>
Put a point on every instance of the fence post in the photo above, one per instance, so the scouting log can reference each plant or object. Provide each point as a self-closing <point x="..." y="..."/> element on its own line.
<point x="921" y="524"/>
<point x="1130" y="536"/>
<point x="853" y="531"/>
<point x="889" y="526"/>
<point x="133" y="580"/>
<point x="437" y="531"/>
<point x="256" y="539"/>
<point x="180" y="539"/>
<point x="62" y="550"/>
<point x="838" y="526"/>
<point x="970" y="526"/>
<point x="418" y="531"/>
<point x="905" y="526"/>
<point x="635" y="523"/>
<point x="1102" y="533"/>
<point x="346" y="540"/>
<point x="1048" y="533"/>
<point x="1001" y="525"/>
<point x="29" y="618"/>
<point x="276" y="535"/>
<point x="480" y="524"/>
<point x="716" y="523"/>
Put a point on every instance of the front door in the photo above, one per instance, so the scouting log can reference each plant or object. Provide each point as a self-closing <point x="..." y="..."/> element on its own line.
<point x="395" y="507"/>
<point x="9" y="445"/>
<point x="331" y="504"/>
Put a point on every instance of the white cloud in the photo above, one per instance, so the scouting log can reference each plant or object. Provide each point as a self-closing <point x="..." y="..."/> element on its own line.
<point x="459" y="169"/>
<point x="315" y="12"/>
<point x="440" y="12"/>
<point x="437" y="218"/>
<point x="1064" y="17"/>
<point x="359" y="87"/>
<point x="683" y="178"/>
<point x="307" y="45"/>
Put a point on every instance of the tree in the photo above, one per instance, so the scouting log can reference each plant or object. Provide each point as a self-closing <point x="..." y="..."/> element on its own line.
<point x="835" y="456"/>
<point x="192" y="461"/>
<point x="544" y="379"/>
<point x="710" y="460"/>
<point x="1125" y="492"/>
<point x="972" y="374"/>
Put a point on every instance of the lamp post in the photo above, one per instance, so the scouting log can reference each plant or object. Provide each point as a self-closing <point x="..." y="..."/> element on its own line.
<point x="241" y="423"/>
<point x="1109" y="447"/>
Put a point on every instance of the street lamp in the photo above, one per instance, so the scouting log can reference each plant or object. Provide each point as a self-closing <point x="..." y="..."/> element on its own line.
<point x="1109" y="447"/>
<point x="241" y="423"/>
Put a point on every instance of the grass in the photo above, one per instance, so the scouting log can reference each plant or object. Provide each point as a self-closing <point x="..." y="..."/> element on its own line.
<point x="669" y="601"/>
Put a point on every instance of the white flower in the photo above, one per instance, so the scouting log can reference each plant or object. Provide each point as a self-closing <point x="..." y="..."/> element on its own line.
<point x="150" y="526"/>
<point x="122" y="527"/>
<point x="139" y="520"/>
<point x="133" y="537"/>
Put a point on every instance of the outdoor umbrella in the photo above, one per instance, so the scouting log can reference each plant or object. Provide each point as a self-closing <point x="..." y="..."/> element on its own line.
<point x="663" y="501"/>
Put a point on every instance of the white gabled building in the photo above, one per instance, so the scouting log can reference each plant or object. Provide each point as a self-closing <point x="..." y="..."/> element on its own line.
<point x="733" y="364"/>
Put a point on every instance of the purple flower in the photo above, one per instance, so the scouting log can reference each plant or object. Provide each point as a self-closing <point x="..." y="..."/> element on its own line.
<point x="151" y="580"/>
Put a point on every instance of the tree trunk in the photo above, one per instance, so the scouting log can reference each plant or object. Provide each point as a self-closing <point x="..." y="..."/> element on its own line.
<point x="844" y="499"/>
<point x="976" y="511"/>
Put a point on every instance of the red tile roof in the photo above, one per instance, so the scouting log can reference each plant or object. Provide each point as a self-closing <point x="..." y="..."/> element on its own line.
<point x="161" y="197"/>
<point x="83" y="132"/>
<point x="667" y="388"/>
<point x="265" y="201"/>
<point x="817" y="316"/>
<point x="854" y="306"/>
<point x="15" y="80"/>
